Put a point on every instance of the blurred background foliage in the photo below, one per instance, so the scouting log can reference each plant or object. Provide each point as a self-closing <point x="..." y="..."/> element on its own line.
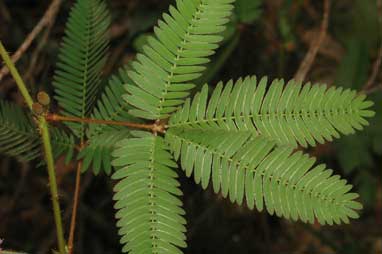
<point x="263" y="38"/>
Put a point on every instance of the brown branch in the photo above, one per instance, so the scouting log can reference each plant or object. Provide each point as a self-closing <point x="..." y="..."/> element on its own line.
<point x="307" y="63"/>
<point x="75" y="205"/>
<point x="48" y="18"/>
<point x="156" y="127"/>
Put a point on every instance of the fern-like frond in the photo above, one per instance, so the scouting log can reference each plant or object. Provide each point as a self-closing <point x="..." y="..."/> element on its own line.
<point x="288" y="114"/>
<point x="19" y="137"/>
<point x="102" y="137"/>
<point x="184" y="40"/>
<point x="62" y="144"/>
<point x="150" y="213"/>
<point x="97" y="152"/>
<point x="243" y="165"/>
<point x="111" y="105"/>
<point x="81" y="59"/>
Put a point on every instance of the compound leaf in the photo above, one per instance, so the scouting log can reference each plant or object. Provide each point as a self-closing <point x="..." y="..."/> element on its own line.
<point x="81" y="59"/>
<point x="289" y="114"/>
<point x="240" y="164"/>
<point x="183" y="41"/>
<point x="150" y="213"/>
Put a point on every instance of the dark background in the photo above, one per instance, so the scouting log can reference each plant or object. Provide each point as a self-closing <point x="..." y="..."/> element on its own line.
<point x="270" y="39"/>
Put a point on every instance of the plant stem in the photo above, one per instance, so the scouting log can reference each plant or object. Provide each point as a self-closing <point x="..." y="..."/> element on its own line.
<point x="153" y="127"/>
<point x="19" y="81"/>
<point x="52" y="182"/>
<point x="11" y="252"/>
<point x="75" y="205"/>
<point x="44" y="131"/>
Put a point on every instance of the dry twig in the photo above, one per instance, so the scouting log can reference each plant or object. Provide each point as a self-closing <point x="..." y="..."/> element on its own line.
<point x="306" y="64"/>
<point x="45" y="21"/>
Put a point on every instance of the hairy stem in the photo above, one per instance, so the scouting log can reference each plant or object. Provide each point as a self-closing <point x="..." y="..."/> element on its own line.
<point x="156" y="127"/>
<point x="43" y="126"/>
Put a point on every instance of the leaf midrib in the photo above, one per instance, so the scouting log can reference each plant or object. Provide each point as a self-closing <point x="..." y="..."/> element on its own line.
<point x="246" y="167"/>
<point x="177" y="57"/>
<point x="295" y="115"/>
<point x="85" y="76"/>
<point x="151" y="192"/>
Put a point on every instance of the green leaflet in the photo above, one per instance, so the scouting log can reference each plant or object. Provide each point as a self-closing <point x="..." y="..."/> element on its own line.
<point x="240" y="165"/>
<point x="184" y="40"/>
<point x="97" y="152"/>
<point x="288" y="114"/>
<point x="150" y="214"/>
<point x="111" y="105"/>
<point x="102" y="137"/>
<point x="63" y="144"/>
<point x="19" y="136"/>
<point x="81" y="59"/>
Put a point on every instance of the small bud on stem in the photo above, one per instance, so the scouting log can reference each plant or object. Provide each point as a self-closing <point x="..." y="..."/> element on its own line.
<point x="37" y="108"/>
<point x="43" y="98"/>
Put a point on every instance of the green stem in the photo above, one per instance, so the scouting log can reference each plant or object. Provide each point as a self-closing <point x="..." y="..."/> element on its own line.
<point x="43" y="125"/>
<point x="19" y="81"/>
<point x="44" y="130"/>
<point x="11" y="252"/>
